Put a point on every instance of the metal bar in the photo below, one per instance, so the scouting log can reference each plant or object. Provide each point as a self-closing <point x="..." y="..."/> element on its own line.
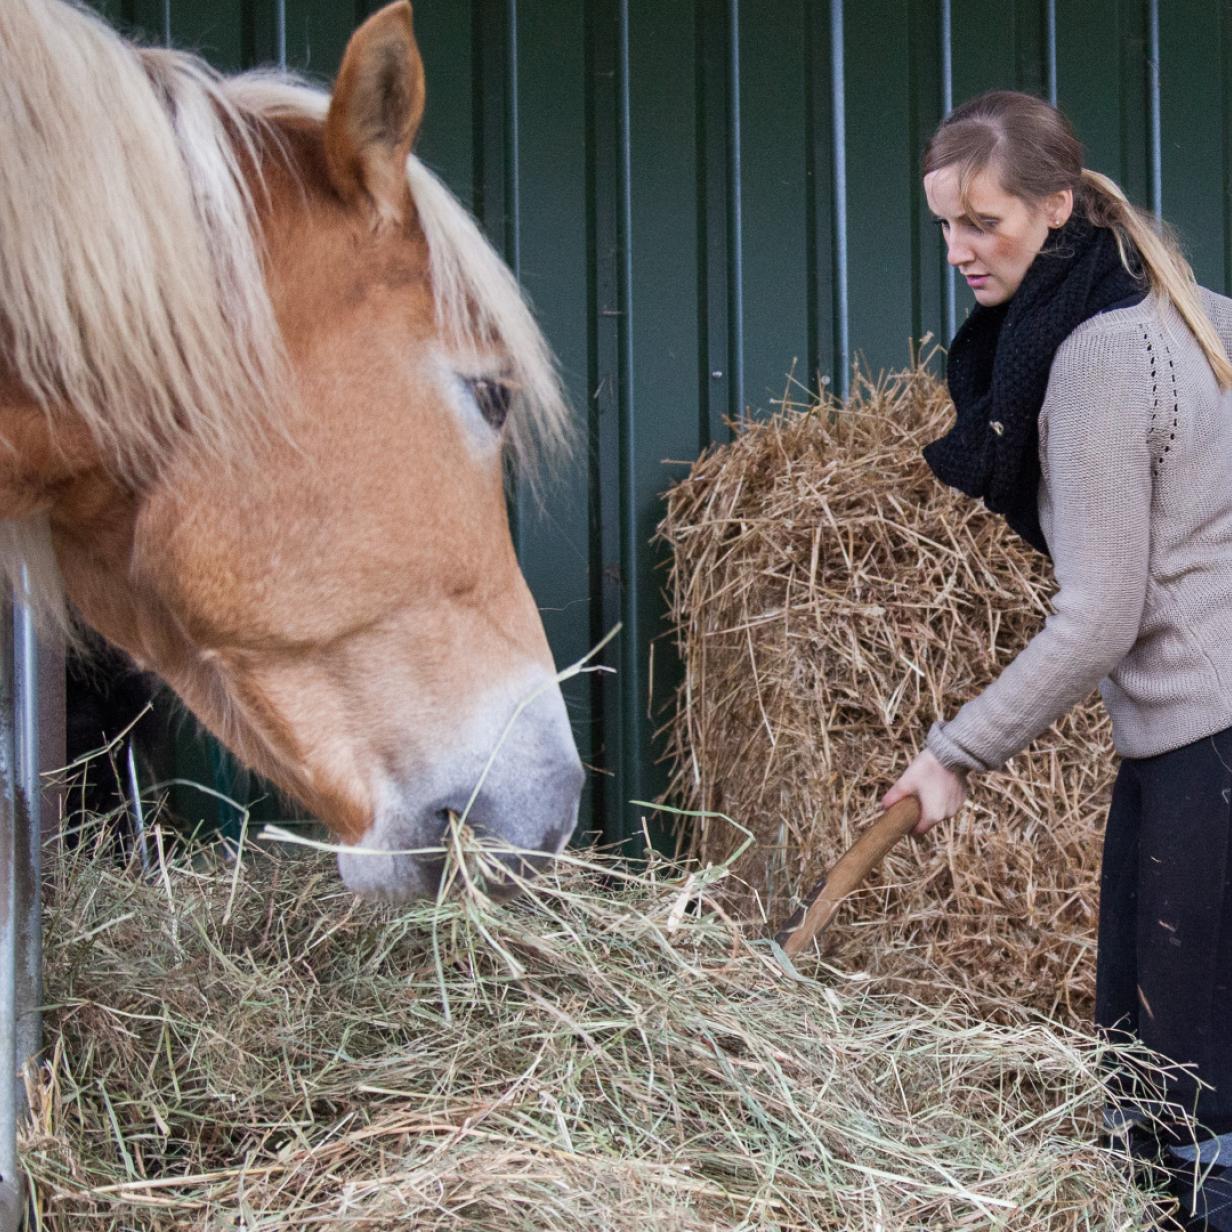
<point x="631" y="642"/>
<point x="735" y="221"/>
<point x="137" y="811"/>
<point x="1225" y="61"/>
<point x="29" y="795"/>
<point x="838" y="86"/>
<point x="10" y="1099"/>
<point x="1050" y="49"/>
<point x="1155" y="170"/>
<point x="815" y="191"/>
<point x="604" y="240"/>
<point x="713" y="224"/>
<point x="947" y="105"/>
<point x="280" y="33"/>
<point x="947" y="57"/>
<point x="513" y="153"/>
<point x="22" y="719"/>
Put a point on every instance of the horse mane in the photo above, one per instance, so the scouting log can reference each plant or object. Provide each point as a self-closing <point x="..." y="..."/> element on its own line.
<point x="132" y="288"/>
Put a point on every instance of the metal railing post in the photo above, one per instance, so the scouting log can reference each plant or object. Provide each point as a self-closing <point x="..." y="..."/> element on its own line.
<point x="24" y="713"/>
<point x="28" y="764"/>
<point x="11" y="1094"/>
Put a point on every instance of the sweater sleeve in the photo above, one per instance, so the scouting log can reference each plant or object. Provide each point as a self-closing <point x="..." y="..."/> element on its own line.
<point x="1095" y="427"/>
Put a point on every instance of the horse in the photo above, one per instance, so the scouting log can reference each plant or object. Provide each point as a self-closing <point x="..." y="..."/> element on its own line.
<point x="260" y="374"/>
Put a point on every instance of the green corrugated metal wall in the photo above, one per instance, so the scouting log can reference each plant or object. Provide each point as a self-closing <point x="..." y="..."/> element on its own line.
<point x="701" y="194"/>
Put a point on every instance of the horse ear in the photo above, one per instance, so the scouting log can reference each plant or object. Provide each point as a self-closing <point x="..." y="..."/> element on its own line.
<point x="375" y="113"/>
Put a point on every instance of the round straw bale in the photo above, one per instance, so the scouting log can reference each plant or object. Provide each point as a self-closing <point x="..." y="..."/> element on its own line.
<point x="830" y="599"/>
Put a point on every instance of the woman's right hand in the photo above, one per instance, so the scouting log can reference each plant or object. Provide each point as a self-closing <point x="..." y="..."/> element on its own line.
<point x="941" y="791"/>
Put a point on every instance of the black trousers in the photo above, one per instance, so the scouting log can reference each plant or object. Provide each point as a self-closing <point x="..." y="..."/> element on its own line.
<point x="1164" y="971"/>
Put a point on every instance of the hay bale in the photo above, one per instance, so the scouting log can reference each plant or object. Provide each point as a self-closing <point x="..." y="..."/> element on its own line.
<point x="246" y="1046"/>
<point x="831" y="599"/>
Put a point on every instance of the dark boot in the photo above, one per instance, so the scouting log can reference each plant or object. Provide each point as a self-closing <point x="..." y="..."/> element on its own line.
<point x="1201" y="1178"/>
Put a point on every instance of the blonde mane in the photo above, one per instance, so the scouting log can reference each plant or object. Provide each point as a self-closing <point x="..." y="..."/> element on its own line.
<point x="131" y="286"/>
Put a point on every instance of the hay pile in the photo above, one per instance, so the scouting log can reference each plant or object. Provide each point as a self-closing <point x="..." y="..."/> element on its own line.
<point x="831" y="600"/>
<point x="247" y="1047"/>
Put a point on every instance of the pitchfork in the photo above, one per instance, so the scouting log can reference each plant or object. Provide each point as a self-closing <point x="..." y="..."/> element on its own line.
<point x="859" y="860"/>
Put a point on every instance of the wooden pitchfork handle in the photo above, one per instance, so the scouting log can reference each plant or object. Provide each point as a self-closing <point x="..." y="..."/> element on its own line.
<point x="859" y="860"/>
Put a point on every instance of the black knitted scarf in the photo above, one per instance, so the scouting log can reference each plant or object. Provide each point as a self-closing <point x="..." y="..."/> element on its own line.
<point x="998" y="368"/>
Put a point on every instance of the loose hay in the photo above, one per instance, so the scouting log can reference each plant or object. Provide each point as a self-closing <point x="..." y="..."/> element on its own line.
<point x="831" y="599"/>
<point x="250" y="1047"/>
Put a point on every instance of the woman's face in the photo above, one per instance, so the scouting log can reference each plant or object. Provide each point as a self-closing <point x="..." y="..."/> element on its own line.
<point x="994" y="244"/>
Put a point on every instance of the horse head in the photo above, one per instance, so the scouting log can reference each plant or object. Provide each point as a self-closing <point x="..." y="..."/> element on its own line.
<point x="255" y="416"/>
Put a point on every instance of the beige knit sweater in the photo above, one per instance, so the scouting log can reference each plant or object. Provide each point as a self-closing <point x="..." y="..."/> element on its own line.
<point x="1135" y="501"/>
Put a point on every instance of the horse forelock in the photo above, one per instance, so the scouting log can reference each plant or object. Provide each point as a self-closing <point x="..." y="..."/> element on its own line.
<point x="131" y="288"/>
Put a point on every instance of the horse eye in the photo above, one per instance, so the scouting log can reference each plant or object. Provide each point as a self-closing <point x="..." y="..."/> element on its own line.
<point x="492" y="398"/>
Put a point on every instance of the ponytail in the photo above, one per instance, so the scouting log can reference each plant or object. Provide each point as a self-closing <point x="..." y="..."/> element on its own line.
<point x="1170" y="276"/>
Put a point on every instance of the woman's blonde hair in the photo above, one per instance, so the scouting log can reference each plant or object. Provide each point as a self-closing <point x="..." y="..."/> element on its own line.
<point x="1032" y="147"/>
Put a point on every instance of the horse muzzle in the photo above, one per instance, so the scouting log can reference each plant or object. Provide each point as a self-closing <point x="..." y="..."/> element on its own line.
<point x="514" y="779"/>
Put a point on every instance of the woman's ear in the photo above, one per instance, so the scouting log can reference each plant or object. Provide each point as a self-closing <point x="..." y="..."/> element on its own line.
<point x="1058" y="207"/>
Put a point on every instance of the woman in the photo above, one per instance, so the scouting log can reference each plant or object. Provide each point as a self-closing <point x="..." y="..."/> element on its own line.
<point x="1091" y="383"/>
